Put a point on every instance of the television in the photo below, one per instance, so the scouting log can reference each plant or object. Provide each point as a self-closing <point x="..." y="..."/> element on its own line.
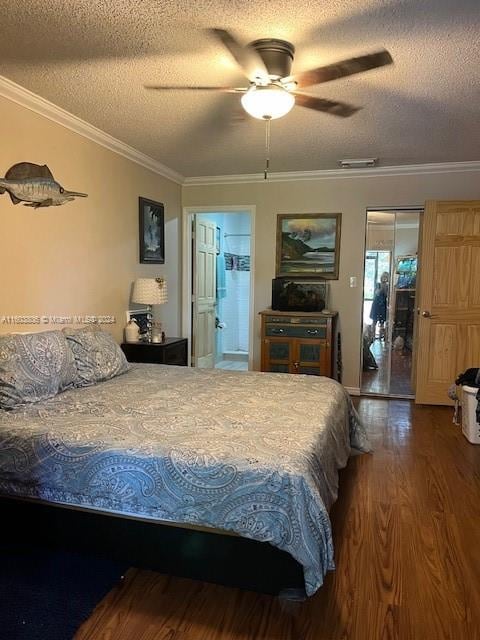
<point x="298" y="295"/>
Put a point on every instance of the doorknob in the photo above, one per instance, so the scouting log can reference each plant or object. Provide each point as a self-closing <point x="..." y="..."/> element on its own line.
<point x="427" y="314"/>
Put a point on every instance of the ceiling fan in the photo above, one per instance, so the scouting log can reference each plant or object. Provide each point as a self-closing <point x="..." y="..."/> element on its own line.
<point x="273" y="91"/>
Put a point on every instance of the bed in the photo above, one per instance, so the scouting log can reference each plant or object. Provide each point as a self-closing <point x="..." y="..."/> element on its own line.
<point x="254" y="454"/>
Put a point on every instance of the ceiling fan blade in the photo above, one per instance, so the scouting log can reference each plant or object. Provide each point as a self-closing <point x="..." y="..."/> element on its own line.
<point x="327" y="106"/>
<point x="159" y="87"/>
<point x="246" y="57"/>
<point x="343" y="69"/>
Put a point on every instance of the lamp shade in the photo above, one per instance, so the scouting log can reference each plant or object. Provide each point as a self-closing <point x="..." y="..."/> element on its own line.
<point x="267" y="103"/>
<point x="150" y="291"/>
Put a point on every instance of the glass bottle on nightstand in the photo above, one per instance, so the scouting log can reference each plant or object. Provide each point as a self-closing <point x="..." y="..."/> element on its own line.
<point x="157" y="334"/>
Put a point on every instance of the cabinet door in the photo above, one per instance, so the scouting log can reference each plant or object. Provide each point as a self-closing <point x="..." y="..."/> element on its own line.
<point x="312" y="357"/>
<point x="277" y="355"/>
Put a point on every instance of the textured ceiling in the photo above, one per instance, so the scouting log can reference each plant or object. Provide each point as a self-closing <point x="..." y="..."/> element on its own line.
<point x="92" y="58"/>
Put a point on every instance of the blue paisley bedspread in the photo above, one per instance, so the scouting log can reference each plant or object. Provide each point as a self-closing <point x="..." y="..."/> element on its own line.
<point x="252" y="453"/>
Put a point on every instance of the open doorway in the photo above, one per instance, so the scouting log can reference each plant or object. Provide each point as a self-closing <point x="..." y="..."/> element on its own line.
<point x="218" y="288"/>
<point x="389" y="310"/>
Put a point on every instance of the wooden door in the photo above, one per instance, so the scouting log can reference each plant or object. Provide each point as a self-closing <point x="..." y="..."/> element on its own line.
<point x="204" y="294"/>
<point x="449" y="298"/>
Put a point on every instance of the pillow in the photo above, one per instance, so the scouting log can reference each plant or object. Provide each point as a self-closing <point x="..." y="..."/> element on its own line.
<point x="34" y="366"/>
<point x="97" y="356"/>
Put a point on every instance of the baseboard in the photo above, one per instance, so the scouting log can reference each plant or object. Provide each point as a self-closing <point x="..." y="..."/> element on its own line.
<point x="353" y="391"/>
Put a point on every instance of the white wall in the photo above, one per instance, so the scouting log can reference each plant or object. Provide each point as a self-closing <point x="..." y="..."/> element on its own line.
<point x="380" y="239"/>
<point x="383" y="237"/>
<point x="406" y="241"/>
<point x="349" y="195"/>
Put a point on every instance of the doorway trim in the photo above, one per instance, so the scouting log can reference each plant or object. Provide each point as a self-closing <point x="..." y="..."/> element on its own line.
<point x="388" y="209"/>
<point x="187" y="217"/>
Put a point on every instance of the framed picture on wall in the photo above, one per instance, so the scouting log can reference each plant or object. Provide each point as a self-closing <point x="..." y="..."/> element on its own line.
<point x="152" y="231"/>
<point x="308" y="245"/>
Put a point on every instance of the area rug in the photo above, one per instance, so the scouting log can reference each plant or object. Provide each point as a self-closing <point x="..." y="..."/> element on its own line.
<point x="46" y="594"/>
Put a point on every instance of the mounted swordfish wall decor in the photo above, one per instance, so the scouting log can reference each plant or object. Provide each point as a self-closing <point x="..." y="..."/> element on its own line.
<point x="35" y="185"/>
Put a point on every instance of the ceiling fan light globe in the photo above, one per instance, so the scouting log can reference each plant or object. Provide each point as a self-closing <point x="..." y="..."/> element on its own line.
<point x="267" y="103"/>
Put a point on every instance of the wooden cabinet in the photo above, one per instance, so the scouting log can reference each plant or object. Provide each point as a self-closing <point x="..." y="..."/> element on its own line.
<point x="172" y="351"/>
<point x="298" y="342"/>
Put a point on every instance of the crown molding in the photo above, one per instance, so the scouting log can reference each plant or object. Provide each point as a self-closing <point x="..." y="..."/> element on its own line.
<point x="25" y="98"/>
<point x="337" y="174"/>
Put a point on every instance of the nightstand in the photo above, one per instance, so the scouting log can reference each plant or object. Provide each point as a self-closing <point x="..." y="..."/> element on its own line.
<point x="172" y="351"/>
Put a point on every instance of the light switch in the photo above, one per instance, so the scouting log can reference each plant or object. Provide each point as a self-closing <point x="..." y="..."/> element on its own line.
<point x="353" y="282"/>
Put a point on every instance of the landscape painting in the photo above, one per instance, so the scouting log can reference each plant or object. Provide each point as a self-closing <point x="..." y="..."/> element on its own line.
<point x="308" y="245"/>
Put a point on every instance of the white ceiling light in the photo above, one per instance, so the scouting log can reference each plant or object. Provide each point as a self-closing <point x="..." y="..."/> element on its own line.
<point x="267" y="103"/>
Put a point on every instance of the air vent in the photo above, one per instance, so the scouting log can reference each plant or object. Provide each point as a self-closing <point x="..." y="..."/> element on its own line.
<point x="360" y="163"/>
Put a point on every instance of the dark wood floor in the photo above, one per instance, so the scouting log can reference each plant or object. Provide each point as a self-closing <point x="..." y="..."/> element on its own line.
<point x="377" y="381"/>
<point x="407" y="548"/>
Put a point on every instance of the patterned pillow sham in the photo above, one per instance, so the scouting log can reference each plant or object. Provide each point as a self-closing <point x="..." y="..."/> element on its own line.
<point x="97" y="356"/>
<point x="34" y="366"/>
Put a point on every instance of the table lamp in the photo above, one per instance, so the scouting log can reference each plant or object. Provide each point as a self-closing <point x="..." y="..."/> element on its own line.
<point x="150" y="291"/>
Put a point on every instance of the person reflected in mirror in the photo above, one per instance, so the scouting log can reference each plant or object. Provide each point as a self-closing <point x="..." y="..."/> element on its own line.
<point x="378" y="312"/>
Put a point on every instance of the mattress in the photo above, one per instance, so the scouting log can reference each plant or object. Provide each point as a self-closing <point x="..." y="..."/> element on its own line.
<point x="252" y="453"/>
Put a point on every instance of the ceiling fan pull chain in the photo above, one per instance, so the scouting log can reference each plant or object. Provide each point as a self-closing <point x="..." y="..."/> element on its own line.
<point x="267" y="147"/>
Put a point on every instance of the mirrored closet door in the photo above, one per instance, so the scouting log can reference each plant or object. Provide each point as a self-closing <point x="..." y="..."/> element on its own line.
<point x="389" y="312"/>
